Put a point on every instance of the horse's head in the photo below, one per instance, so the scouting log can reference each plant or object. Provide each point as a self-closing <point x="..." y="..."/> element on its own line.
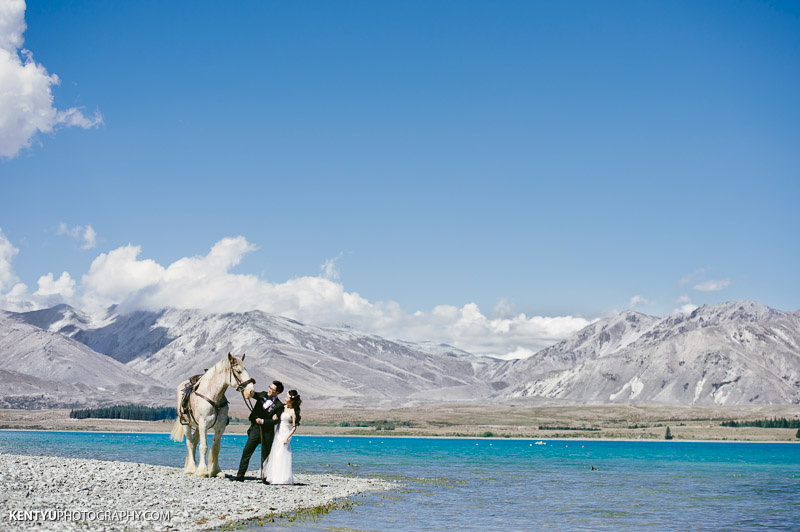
<point x="239" y="379"/>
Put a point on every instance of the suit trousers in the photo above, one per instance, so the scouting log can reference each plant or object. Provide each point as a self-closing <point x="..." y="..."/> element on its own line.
<point x="254" y="437"/>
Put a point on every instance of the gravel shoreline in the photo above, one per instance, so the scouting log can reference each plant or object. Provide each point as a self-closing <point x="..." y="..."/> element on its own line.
<point x="54" y="493"/>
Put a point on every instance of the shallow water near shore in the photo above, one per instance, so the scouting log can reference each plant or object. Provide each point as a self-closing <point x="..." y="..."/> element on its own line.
<point x="514" y="484"/>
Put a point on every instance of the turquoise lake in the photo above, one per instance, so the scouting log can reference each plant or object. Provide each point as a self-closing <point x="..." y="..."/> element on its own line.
<point x="508" y="484"/>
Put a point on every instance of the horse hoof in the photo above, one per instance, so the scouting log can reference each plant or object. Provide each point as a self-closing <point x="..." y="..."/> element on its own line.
<point x="201" y="473"/>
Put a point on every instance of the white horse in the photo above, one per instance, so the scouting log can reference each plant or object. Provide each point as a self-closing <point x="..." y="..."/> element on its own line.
<point x="208" y="409"/>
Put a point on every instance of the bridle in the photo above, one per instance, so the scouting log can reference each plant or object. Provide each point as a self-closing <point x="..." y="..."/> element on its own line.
<point x="241" y="385"/>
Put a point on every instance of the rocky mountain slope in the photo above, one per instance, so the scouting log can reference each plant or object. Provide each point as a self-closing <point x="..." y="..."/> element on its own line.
<point x="733" y="353"/>
<point x="329" y="365"/>
<point x="728" y="354"/>
<point x="48" y="370"/>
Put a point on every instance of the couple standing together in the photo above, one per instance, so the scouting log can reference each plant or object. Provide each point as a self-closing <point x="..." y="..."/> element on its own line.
<point x="272" y="426"/>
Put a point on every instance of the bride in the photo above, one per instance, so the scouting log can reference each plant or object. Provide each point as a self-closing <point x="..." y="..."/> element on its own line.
<point x="278" y="467"/>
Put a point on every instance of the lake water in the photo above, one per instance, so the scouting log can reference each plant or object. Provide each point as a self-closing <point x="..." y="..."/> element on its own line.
<point x="508" y="484"/>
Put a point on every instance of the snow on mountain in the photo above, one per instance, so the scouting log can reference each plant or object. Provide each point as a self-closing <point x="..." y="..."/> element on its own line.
<point x="324" y="363"/>
<point x="328" y="364"/>
<point x="61" y="319"/>
<point x="599" y="339"/>
<point x="733" y="353"/>
<point x="122" y="339"/>
<point x="34" y="359"/>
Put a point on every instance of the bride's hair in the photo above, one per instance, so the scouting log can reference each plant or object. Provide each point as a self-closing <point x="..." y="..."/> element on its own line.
<point x="293" y="401"/>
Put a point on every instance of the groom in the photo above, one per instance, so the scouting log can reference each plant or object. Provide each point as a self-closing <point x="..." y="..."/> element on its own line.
<point x="262" y="426"/>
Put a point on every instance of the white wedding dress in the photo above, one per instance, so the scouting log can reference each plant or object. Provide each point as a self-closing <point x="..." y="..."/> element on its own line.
<point x="278" y="467"/>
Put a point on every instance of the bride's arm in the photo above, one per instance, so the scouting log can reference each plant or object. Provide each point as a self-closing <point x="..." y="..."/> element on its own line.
<point x="294" y="428"/>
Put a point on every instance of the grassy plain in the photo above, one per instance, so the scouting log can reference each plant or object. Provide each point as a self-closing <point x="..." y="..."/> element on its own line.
<point x="646" y="422"/>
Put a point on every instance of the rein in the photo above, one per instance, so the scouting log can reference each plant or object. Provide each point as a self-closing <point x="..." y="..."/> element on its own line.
<point x="241" y="386"/>
<point x="216" y="406"/>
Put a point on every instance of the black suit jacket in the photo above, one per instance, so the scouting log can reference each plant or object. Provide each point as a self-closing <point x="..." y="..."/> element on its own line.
<point x="258" y="411"/>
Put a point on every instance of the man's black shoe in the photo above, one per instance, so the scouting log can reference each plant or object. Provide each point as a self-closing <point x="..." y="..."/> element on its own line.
<point x="237" y="479"/>
<point x="264" y="481"/>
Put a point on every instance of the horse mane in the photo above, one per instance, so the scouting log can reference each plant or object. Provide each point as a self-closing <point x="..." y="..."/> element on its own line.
<point x="220" y="367"/>
<point x="223" y="364"/>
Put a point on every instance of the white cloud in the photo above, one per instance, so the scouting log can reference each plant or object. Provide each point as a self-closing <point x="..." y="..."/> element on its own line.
<point x="688" y="308"/>
<point x="713" y="285"/>
<point x="89" y="238"/>
<point x="689" y="278"/>
<point x="117" y="275"/>
<point x="517" y="354"/>
<point x="18" y="299"/>
<point x="7" y="253"/>
<point x="13" y="294"/>
<point x="503" y="309"/>
<point x="52" y="292"/>
<point x="26" y="99"/>
<point x="87" y="234"/>
<point x="64" y="286"/>
<point x="12" y="24"/>
<point x="329" y="269"/>
<point x="206" y="283"/>
<point x="639" y="300"/>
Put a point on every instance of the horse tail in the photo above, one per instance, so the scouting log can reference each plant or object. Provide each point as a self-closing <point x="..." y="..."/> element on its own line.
<point x="177" y="431"/>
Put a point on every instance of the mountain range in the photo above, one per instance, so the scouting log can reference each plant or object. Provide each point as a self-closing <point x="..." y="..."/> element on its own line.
<point x="42" y="369"/>
<point x="331" y="366"/>
<point x="728" y="354"/>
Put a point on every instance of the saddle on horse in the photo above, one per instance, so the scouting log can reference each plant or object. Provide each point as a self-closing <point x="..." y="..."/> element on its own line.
<point x="185" y="415"/>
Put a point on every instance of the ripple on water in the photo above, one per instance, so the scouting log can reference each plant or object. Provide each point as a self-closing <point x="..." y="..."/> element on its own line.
<point x="512" y="485"/>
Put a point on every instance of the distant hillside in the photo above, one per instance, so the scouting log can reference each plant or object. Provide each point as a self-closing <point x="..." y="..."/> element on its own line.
<point x="332" y="366"/>
<point x="49" y="370"/>
<point x="729" y="354"/>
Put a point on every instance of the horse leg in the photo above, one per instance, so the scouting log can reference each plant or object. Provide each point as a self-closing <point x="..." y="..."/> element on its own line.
<point x="190" y="466"/>
<point x="202" y="430"/>
<point x="213" y="457"/>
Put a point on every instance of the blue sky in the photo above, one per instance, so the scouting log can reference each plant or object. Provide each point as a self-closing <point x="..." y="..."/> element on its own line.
<point x="552" y="160"/>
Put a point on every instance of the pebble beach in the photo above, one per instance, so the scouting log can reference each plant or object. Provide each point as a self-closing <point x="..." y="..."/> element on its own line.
<point x="52" y="493"/>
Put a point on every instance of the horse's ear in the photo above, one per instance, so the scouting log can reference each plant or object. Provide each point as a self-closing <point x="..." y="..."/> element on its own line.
<point x="231" y="359"/>
<point x="244" y="355"/>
